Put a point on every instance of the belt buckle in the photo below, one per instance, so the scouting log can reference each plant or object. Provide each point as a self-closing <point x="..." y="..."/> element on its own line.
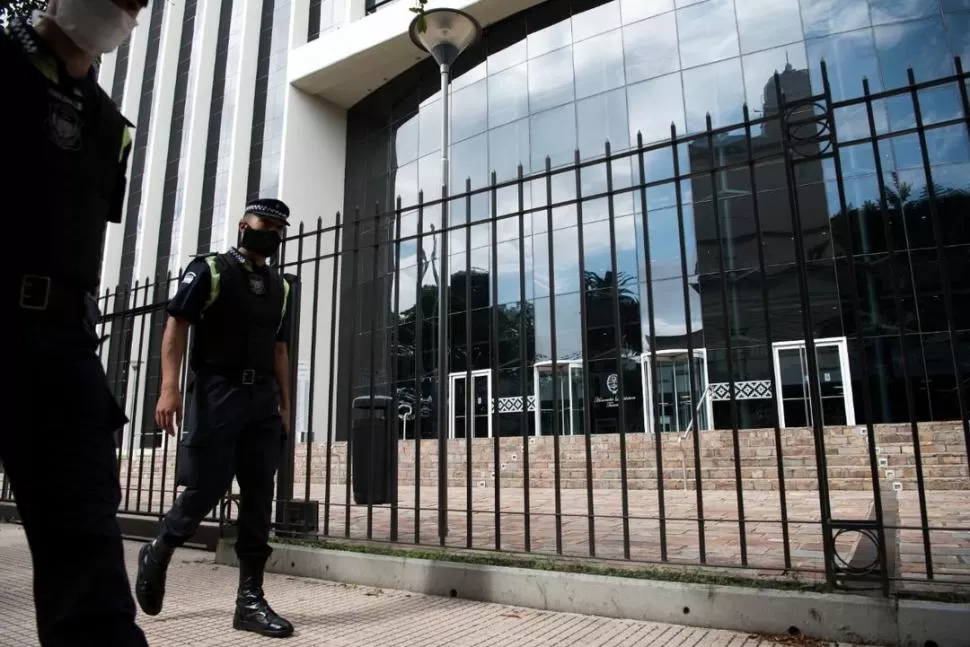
<point x="248" y="377"/>
<point x="35" y="292"/>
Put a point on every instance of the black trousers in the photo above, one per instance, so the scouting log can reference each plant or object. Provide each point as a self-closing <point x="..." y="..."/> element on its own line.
<point x="233" y="430"/>
<point x="59" y="458"/>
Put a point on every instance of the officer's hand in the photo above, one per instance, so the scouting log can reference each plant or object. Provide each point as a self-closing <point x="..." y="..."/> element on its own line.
<point x="285" y="416"/>
<point x="168" y="411"/>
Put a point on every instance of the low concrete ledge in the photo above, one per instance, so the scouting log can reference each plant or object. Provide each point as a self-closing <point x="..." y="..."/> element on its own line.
<point x="834" y="617"/>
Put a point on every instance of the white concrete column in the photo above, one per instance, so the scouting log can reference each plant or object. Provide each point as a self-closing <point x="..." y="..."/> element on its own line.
<point x="160" y="129"/>
<point x="299" y="22"/>
<point x="197" y="125"/>
<point x="312" y="184"/>
<point x="137" y="49"/>
<point x="347" y="11"/>
<point x="242" y="122"/>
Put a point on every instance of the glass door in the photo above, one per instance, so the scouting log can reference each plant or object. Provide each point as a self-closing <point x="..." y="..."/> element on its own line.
<point x="478" y="419"/>
<point x="678" y="412"/>
<point x="568" y="381"/>
<point x="834" y="383"/>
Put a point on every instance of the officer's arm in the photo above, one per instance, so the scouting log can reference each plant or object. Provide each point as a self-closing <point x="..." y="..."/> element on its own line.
<point x="174" y="342"/>
<point x="184" y="309"/>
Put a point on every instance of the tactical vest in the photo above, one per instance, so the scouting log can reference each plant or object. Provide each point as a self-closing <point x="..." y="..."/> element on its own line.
<point x="62" y="166"/>
<point x="244" y="313"/>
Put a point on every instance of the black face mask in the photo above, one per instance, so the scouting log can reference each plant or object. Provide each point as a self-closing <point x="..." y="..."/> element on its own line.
<point x="264" y="242"/>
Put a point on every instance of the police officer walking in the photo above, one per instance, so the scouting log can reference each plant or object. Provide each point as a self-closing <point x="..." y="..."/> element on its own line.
<point x="238" y="407"/>
<point x="65" y="146"/>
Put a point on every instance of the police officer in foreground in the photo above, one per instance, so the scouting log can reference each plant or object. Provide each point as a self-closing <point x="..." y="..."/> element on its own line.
<point x="238" y="407"/>
<point x="65" y="147"/>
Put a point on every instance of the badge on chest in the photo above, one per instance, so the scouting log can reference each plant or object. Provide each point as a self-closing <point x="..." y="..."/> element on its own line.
<point x="257" y="284"/>
<point x="64" y="125"/>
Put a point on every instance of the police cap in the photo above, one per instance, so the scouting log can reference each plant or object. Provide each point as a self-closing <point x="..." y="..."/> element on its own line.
<point x="269" y="209"/>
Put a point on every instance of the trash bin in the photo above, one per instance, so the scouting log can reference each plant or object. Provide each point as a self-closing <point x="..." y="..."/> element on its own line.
<point x="372" y="463"/>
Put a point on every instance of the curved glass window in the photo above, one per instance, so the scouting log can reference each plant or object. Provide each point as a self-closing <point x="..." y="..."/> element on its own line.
<point x="572" y="75"/>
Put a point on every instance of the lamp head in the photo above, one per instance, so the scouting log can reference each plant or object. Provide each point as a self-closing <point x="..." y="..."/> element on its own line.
<point x="447" y="33"/>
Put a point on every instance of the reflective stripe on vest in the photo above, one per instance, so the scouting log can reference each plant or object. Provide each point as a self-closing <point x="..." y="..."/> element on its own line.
<point x="216" y="284"/>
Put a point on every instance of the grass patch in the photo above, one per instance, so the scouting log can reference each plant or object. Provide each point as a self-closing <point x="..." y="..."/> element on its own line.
<point x="678" y="574"/>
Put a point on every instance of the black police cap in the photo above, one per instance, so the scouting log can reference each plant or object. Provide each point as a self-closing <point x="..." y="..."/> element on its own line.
<point x="269" y="209"/>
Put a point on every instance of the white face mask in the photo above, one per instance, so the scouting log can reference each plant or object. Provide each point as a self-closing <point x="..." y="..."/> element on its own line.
<point x="96" y="26"/>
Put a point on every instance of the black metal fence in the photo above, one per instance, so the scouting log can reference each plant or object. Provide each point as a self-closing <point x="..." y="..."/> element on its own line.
<point x="743" y="348"/>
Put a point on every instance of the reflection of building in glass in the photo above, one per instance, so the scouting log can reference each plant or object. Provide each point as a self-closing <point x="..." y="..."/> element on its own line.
<point x="567" y="75"/>
<point x="232" y="98"/>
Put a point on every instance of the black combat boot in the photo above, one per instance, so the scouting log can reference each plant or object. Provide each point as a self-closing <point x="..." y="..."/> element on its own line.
<point x="153" y="561"/>
<point x="253" y="613"/>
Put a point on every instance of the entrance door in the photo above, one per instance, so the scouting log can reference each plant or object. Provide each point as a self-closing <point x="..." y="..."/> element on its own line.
<point x="678" y="412"/>
<point x="834" y="382"/>
<point x="478" y="419"/>
<point x="568" y="381"/>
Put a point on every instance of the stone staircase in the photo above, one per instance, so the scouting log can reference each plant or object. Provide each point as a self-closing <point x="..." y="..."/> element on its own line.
<point x="944" y="461"/>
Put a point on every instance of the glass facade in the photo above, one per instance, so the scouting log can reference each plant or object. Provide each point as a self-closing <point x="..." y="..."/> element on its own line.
<point x="571" y="75"/>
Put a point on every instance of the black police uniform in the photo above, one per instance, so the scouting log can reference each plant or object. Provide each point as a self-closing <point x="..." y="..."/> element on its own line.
<point x="239" y="311"/>
<point x="65" y="149"/>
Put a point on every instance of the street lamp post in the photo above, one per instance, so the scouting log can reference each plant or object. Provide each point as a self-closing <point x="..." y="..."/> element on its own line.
<point x="445" y="34"/>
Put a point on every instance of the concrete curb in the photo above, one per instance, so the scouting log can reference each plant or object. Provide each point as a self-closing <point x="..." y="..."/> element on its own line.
<point x="834" y="617"/>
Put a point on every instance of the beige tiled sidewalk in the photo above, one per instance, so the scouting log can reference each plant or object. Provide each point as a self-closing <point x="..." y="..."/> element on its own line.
<point x="200" y="594"/>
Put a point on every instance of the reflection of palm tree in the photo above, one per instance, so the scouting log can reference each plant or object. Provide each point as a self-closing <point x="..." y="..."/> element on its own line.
<point x="600" y="313"/>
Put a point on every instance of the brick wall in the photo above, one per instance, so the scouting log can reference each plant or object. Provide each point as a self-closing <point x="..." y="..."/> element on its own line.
<point x="944" y="459"/>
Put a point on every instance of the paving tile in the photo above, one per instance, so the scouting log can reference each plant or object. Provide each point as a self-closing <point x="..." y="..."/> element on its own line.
<point x="200" y="597"/>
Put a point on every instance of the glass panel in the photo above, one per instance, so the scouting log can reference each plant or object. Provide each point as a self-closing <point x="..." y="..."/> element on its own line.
<point x="602" y="119"/>
<point x="406" y="141"/>
<point x="650" y="48"/>
<point x="958" y="31"/>
<point x="849" y="57"/>
<point x="508" y="96"/>
<point x="759" y="71"/>
<point x="508" y="146"/>
<point x="481" y="406"/>
<point x="792" y="376"/>
<point x="429" y="128"/>
<point x="768" y="23"/>
<point x="920" y="44"/>
<point x="716" y="89"/>
<point x="707" y="32"/>
<point x="599" y="64"/>
<point x="596" y="21"/>
<point x="550" y="38"/>
<point x="469" y="114"/>
<point x="824" y="17"/>
<point x="633" y="10"/>
<point x="551" y="80"/>
<point x="654" y="105"/>
<point x="885" y="11"/>
<point x="553" y="133"/>
<point x="829" y="371"/>
<point x="459" y="401"/>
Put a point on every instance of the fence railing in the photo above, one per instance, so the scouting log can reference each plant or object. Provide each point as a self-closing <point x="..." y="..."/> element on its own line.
<point x="742" y="348"/>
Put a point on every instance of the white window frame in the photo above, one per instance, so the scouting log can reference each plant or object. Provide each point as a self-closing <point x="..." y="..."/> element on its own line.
<point x="842" y="344"/>
<point x="572" y="365"/>
<point x="646" y="379"/>
<point x="461" y="375"/>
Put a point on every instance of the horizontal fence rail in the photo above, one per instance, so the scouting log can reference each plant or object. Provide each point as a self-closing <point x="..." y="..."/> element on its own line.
<point x="743" y="348"/>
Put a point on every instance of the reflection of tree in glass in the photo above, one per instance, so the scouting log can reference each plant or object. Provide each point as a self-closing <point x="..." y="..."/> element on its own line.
<point x="601" y="338"/>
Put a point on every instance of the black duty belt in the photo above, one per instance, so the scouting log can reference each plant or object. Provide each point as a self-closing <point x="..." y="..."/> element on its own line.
<point x="45" y="298"/>
<point x="244" y="376"/>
